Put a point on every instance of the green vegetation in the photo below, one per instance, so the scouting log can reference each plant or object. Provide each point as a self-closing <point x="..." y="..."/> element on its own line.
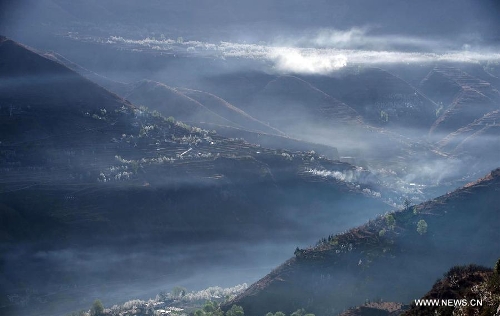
<point x="422" y="227"/>
<point x="212" y="308"/>
<point x="97" y="308"/>
<point x="471" y="282"/>
<point x="390" y="221"/>
<point x="178" y="292"/>
<point x="415" y="210"/>
<point x="299" y="312"/>
<point x="276" y="314"/>
<point x="494" y="281"/>
<point x="406" y="204"/>
<point x="79" y="313"/>
<point x="235" y="310"/>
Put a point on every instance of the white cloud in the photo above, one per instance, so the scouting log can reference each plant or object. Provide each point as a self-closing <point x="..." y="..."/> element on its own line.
<point x="361" y="38"/>
<point x="333" y="54"/>
<point x="305" y="61"/>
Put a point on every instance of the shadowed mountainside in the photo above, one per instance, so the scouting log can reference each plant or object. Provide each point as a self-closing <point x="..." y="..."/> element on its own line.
<point x="82" y="168"/>
<point x="479" y="138"/>
<point x="381" y="258"/>
<point x="464" y="98"/>
<point x="466" y="285"/>
<point x="380" y="97"/>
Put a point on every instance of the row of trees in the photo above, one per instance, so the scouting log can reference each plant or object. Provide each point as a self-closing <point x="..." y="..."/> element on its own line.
<point x="212" y="308"/>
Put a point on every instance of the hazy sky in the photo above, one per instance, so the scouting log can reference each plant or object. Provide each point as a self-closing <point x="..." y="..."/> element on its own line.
<point x="266" y="18"/>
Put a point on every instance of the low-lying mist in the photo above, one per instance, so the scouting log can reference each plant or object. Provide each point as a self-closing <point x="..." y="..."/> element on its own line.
<point x="60" y="281"/>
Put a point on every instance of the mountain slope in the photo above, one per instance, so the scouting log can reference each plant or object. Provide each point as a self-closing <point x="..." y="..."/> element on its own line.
<point x="464" y="98"/>
<point x="85" y="172"/>
<point x="382" y="257"/>
<point x="288" y="99"/>
<point x="171" y="102"/>
<point x="475" y="288"/>
<point x="229" y="111"/>
<point x="380" y="97"/>
<point x="478" y="138"/>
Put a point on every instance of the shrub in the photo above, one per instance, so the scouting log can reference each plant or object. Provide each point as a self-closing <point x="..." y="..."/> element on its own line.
<point x="390" y="221"/>
<point x="235" y="310"/>
<point x="178" y="292"/>
<point x="422" y="227"/>
<point x="97" y="308"/>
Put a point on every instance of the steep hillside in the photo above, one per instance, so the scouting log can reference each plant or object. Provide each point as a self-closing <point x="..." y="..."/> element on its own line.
<point x="117" y="87"/>
<point x="467" y="285"/>
<point x="229" y="111"/>
<point x="274" y="141"/>
<point x="381" y="258"/>
<point x="171" y="102"/>
<point x="464" y="98"/>
<point x="464" y="290"/>
<point x="82" y="169"/>
<point x="376" y="309"/>
<point x="381" y="98"/>
<point x="477" y="139"/>
<point x="288" y="99"/>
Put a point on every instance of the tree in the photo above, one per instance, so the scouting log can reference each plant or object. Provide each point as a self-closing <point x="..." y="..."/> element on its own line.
<point x="406" y="204"/>
<point x="390" y="221"/>
<point x="212" y="308"/>
<point x="97" y="308"/>
<point x="178" y="292"/>
<point x="199" y="312"/>
<point x="235" y="310"/>
<point x="422" y="227"/>
<point x="415" y="210"/>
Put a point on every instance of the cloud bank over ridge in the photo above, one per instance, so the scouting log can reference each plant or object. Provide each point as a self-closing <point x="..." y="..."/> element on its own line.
<point x="326" y="52"/>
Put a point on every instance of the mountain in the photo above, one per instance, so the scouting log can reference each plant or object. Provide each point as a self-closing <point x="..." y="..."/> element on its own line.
<point x="86" y="175"/>
<point x="476" y="139"/>
<point x="380" y="258"/>
<point x="376" y="309"/>
<point x="229" y="111"/>
<point x="171" y="102"/>
<point x="463" y="290"/>
<point x="463" y="98"/>
<point x="289" y="99"/>
<point x="476" y="289"/>
<point x="380" y="97"/>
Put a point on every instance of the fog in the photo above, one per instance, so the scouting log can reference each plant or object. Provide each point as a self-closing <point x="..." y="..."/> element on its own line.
<point x="343" y="80"/>
<point x="115" y="276"/>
